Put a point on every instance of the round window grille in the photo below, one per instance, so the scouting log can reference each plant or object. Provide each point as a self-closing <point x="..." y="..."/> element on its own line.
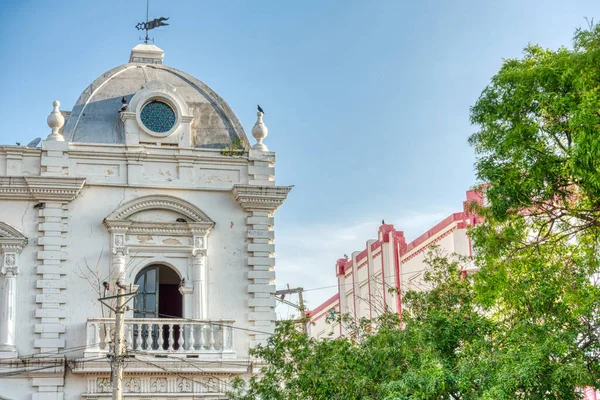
<point x="158" y="116"/>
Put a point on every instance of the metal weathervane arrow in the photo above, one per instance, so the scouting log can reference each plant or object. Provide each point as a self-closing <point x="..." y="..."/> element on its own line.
<point x="155" y="23"/>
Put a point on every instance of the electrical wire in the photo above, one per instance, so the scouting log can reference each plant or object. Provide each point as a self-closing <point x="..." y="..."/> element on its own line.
<point x="55" y="365"/>
<point x="206" y="385"/>
<point x="352" y="283"/>
<point x="50" y="354"/>
<point x="217" y="324"/>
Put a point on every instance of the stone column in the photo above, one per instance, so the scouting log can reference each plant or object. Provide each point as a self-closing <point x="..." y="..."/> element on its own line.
<point x="199" y="284"/>
<point x="260" y="202"/>
<point x="200" y="299"/>
<point x="8" y="304"/>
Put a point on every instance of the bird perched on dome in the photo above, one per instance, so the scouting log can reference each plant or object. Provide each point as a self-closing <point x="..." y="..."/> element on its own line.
<point x="123" y="104"/>
<point x="260" y="109"/>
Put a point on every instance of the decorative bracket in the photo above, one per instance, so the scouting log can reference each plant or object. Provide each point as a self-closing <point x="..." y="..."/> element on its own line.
<point x="260" y="198"/>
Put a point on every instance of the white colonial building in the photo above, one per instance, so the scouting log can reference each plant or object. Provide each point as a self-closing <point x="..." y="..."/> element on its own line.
<point x="149" y="180"/>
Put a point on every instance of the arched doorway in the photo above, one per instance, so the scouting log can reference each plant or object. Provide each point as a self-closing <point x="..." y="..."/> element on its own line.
<point x="158" y="296"/>
<point x="158" y="293"/>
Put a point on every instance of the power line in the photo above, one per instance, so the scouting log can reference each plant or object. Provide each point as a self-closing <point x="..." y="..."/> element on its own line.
<point x="55" y="365"/>
<point x="49" y="354"/>
<point x="206" y="385"/>
<point x="203" y="371"/>
<point x="352" y="283"/>
<point x="216" y="324"/>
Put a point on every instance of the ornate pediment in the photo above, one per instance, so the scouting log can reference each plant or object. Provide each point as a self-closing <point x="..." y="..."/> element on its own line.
<point x="11" y="238"/>
<point x="164" y="218"/>
<point x="160" y="202"/>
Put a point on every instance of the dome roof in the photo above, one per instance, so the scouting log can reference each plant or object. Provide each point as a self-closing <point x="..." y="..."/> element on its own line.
<point x="95" y="116"/>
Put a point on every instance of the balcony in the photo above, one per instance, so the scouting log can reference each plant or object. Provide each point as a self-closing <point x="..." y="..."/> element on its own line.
<point x="160" y="337"/>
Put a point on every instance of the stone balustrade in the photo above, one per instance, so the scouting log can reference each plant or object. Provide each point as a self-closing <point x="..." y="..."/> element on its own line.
<point x="163" y="336"/>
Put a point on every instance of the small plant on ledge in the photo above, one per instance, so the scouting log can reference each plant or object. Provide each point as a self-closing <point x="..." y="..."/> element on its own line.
<point x="235" y="149"/>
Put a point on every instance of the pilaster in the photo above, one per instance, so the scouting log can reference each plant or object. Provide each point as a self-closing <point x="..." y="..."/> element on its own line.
<point x="55" y="158"/>
<point x="260" y="202"/>
<point x="261" y="168"/>
<point x="135" y="166"/>
<point x="14" y="161"/>
<point x="53" y="195"/>
<point x="11" y="244"/>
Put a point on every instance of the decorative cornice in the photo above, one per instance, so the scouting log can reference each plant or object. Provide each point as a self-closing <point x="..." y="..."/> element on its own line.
<point x="194" y="214"/>
<point x="49" y="188"/>
<point x="40" y="188"/>
<point x="260" y="198"/>
<point x="14" y="188"/>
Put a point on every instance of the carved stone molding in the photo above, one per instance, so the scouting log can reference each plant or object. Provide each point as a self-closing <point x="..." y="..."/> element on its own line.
<point x="197" y="224"/>
<point x="61" y="189"/>
<point x="40" y="188"/>
<point x="11" y="244"/>
<point x="11" y="239"/>
<point x="164" y="202"/>
<point x="170" y="385"/>
<point x="14" y="271"/>
<point x="260" y="198"/>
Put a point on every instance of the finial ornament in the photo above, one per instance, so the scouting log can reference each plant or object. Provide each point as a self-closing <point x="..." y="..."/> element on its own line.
<point x="260" y="131"/>
<point x="55" y="121"/>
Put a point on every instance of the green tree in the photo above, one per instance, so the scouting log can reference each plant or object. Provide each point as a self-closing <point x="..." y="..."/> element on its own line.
<point x="538" y="148"/>
<point x="416" y="358"/>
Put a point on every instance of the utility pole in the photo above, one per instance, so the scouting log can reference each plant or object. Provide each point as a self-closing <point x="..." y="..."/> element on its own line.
<point x="119" y="340"/>
<point x="299" y="307"/>
<point x="302" y="312"/>
<point x="117" y="362"/>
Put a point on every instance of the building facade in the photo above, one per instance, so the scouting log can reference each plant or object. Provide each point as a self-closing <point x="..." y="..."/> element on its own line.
<point x="389" y="262"/>
<point x="149" y="182"/>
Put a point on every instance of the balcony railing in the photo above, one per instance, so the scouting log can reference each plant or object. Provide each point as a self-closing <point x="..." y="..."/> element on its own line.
<point x="156" y="336"/>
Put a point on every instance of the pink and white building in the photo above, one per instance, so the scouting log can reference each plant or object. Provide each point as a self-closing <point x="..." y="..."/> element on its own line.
<point x="389" y="262"/>
<point x="364" y="278"/>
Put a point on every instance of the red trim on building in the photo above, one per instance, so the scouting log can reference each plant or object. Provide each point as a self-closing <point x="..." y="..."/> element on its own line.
<point x="397" y="269"/>
<point x="383" y="280"/>
<point x="369" y="286"/>
<point x="361" y="255"/>
<point x="387" y="233"/>
<point x="354" y="295"/>
<point x="459" y="216"/>
<point x="326" y="306"/>
<point x="340" y="294"/>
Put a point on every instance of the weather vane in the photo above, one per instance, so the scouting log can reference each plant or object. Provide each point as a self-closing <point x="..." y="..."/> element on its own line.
<point x="155" y="23"/>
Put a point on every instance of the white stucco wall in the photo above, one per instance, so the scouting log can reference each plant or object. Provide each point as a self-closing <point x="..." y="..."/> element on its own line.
<point x="70" y="200"/>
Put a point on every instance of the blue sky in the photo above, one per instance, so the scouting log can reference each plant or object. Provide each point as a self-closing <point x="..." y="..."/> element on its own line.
<point x="367" y="102"/>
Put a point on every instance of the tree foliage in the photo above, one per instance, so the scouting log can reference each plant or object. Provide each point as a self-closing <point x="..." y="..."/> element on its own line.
<point x="415" y="358"/>
<point x="538" y="151"/>
<point x="527" y="325"/>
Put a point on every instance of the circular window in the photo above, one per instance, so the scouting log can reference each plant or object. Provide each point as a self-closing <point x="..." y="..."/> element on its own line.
<point x="157" y="116"/>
